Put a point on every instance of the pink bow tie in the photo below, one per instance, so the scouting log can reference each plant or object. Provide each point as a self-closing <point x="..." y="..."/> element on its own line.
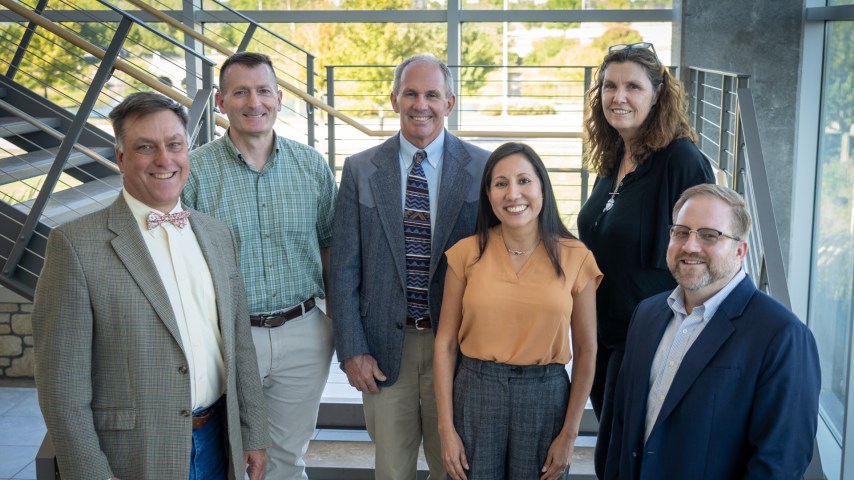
<point x="179" y="219"/>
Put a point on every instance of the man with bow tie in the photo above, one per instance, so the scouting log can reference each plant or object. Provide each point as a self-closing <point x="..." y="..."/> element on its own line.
<point x="145" y="365"/>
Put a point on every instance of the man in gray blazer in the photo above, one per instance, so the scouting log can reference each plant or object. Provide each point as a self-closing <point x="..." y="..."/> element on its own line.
<point x="145" y="366"/>
<point x="400" y="206"/>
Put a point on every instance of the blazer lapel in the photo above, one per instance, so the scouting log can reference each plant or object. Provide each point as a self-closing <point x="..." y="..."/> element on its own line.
<point x="219" y="276"/>
<point x="133" y="253"/>
<point x="644" y="351"/>
<point x="454" y="186"/>
<point x="719" y="329"/>
<point x="385" y="185"/>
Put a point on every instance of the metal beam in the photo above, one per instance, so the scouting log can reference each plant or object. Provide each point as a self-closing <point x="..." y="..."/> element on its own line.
<point x="105" y="70"/>
<point x="372" y="16"/>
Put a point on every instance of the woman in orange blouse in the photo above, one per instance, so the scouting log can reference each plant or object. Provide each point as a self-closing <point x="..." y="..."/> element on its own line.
<point x="513" y="292"/>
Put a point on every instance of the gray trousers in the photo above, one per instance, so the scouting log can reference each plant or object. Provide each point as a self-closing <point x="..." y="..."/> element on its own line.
<point x="508" y="416"/>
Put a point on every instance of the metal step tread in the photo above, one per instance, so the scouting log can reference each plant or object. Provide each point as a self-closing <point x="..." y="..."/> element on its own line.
<point x="352" y="458"/>
<point x="10" y="126"/>
<point x="347" y="412"/>
<point x="31" y="164"/>
<point x="78" y="201"/>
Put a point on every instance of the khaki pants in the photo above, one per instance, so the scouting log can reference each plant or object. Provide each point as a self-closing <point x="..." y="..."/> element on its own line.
<point x="294" y="362"/>
<point x="400" y="415"/>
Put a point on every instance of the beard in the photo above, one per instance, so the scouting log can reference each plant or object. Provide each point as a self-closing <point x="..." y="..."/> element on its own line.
<point x="694" y="278"/>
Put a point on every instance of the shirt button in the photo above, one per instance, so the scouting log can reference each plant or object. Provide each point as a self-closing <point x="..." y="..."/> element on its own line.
<point x="671" y="364"/>
<point x="182" y="370"/>
<point x="273" y="294"/>
<point x="399" y="326"/>
<point x="685" y="331"/>
<point x="661" y="397"/>
<point x="185" y="413"/>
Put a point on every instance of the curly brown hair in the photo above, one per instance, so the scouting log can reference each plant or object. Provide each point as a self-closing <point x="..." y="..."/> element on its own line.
<point x="667" y="119"/>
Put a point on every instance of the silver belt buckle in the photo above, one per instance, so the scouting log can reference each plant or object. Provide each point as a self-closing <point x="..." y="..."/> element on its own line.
<point x="422" y="318"/>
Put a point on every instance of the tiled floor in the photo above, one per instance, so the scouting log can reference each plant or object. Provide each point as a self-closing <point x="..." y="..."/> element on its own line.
<point x="22" y="427"/>
<point x="21" y="432"/>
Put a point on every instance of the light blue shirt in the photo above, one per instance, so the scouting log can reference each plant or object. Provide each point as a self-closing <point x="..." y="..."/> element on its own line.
<point x="432" y="170"/>
<point x="678" y="338"/>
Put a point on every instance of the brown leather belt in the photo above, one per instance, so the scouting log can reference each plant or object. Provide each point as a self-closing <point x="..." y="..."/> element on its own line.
<point x="420" y="323"/>
<point x="277" y="319"/>
<point x="201" y="419"/>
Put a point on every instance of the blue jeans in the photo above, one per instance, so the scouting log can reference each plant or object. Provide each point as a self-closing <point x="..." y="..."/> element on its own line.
<point x="208" y="459"/>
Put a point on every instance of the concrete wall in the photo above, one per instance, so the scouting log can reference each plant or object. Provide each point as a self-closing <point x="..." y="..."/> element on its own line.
<point x="16" y="336"/>
<point x="761" y="38"/>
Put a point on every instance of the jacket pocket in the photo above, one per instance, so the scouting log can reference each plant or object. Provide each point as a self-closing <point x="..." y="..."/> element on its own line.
<point x="114" y="418"/>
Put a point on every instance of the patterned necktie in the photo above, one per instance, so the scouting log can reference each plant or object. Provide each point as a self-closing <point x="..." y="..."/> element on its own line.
<point x="179" y="219"/>
<point x="416" y="232"/>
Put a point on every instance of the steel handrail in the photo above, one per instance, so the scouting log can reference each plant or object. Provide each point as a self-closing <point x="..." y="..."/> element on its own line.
<point x="331" y="111"/>
<point x="92" y="49"/>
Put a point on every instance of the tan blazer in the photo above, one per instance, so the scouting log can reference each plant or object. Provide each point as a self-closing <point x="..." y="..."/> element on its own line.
<point x="110" y="370"/>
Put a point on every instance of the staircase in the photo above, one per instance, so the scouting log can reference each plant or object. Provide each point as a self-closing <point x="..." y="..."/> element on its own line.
<point x="31" y="131"/>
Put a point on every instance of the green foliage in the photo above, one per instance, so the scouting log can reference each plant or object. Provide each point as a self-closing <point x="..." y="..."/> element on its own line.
<point x="839" y="90"/>
<point x="551" y="51"/>
<point x="620" y="33"/>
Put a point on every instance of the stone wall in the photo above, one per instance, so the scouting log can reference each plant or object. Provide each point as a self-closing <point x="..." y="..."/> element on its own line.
<point x="16" y="336"/>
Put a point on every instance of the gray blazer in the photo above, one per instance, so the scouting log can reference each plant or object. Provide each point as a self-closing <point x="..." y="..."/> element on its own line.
<point x="368" y="261"/>
<point x="110" y="370"/>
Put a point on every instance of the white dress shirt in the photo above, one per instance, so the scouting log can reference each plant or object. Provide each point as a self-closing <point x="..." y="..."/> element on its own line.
<point x="432" y="170"/>
<point x="678" y="338"/>
<point x="187" y="279"/>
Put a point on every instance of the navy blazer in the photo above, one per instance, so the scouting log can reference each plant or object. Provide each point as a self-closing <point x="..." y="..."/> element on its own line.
<point x="743" y="404"/>
<point x="368" y="258"/>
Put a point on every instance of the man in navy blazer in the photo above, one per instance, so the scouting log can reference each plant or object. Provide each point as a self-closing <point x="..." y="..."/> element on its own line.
<point x="719" y="380"/>
<point x="386" y="351"/>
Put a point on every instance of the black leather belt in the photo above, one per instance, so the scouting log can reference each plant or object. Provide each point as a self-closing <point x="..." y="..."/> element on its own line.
<point x="277" y="319"/>
<point x="420" y="323"/>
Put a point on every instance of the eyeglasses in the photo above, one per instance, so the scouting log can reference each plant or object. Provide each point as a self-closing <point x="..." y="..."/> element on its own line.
<point x="633" y="46"/>
<point x="706" y="236"/>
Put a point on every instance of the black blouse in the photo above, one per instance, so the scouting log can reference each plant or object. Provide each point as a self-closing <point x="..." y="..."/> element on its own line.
<point x="629" y="241"/>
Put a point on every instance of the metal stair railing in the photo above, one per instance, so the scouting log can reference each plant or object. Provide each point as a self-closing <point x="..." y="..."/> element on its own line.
<point x="111" y="64"/>
<point x="724" y="117"/>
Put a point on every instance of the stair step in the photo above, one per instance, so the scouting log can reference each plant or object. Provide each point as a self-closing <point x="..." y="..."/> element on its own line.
<point x="75" y="202"/>
<point x="2" y="92"/>
<point x="10" y="126"/>
<point x="342" y="412"/>
<point x="31" y="164"/>
<point x="349" y="455"/>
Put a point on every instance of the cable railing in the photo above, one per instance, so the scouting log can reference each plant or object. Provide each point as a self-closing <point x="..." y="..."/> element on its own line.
<point x="724" y="117"/>
<point x="47" y="177"/>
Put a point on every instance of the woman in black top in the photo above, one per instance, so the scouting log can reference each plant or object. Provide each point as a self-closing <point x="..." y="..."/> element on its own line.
<point x="642" y="150"/>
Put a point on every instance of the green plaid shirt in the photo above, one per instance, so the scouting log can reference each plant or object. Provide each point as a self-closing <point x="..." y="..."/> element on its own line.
<point x="280" y="216"/>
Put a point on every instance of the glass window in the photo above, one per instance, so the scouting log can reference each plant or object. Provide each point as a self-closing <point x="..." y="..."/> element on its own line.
<point x="832" y="275"/>
<point x="565" y="4"/>
<point x="326" y="4"/>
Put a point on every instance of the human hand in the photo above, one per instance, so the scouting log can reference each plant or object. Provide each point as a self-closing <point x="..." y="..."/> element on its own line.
<point x="362" y="373"/>
<point x="256" y="460"/>
<point x="559" y="457"/>
<point x="453" y="455"/>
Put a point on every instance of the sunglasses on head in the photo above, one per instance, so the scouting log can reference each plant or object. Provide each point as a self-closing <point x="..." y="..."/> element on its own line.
<point x="633" y="46"/>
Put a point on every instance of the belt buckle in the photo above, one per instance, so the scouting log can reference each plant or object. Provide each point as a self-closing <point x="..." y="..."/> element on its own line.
<point x="420" y="319"/>
<point x="266" y="321"/>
